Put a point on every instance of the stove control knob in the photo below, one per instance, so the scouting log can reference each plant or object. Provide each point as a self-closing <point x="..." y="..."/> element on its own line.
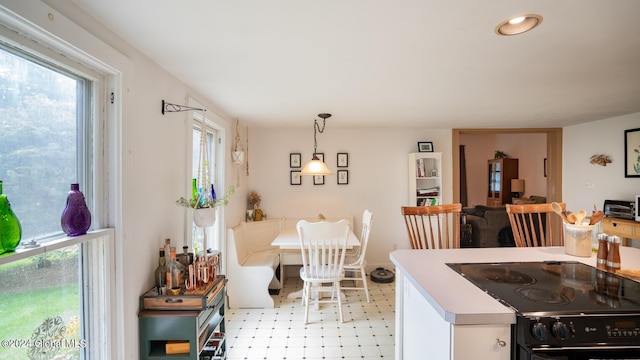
<point x="560" y="330"/>
<point x="539" y="331"/>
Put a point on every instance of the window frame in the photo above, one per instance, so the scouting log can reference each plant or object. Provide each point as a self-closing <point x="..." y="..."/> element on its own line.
<point x="94" y="159"/>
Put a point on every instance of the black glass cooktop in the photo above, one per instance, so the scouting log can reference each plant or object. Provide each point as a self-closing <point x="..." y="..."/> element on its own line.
<point x="554" y="287"/>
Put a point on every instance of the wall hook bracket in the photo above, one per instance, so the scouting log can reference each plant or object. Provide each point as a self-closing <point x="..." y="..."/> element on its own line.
<point x="169" y="107"/>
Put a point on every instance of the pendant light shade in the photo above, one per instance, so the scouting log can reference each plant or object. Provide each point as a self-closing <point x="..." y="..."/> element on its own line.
<point x="315" y="166"/>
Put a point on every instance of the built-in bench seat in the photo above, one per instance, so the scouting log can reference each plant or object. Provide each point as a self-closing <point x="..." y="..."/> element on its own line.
<point x="253" y="265"/>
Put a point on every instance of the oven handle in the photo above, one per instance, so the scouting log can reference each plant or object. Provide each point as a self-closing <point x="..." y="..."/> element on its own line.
<point x="595" y="348"/>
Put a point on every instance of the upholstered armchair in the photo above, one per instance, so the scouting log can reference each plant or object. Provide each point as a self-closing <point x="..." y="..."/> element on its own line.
<point x="486" y="224"/>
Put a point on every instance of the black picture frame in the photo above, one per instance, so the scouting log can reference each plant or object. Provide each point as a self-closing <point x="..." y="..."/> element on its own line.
<point x="425" y="146"/>
<point x="295" y="178"/>
<point x="318" y="179"/>
<point x="632" y="153"/>
<point x="342" y="159"/>
<point x="320" y="156"/>
<point x="295" y="160"/>
<point x="343" y="177"/>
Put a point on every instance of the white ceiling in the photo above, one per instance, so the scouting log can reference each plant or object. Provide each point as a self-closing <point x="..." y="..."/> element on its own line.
<point x="407" y="63"/>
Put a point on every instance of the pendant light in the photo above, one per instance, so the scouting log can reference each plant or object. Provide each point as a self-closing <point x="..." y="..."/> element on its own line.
<point x="315" y="166"/>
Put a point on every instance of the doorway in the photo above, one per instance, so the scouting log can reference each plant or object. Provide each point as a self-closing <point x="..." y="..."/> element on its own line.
<point x="554" y="157"/>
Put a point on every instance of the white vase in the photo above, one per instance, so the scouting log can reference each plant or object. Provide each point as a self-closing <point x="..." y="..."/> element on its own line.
<point x="204" y="217"/>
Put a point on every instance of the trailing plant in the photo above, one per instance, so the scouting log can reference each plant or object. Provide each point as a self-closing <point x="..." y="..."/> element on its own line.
<point x="202" y="201"/>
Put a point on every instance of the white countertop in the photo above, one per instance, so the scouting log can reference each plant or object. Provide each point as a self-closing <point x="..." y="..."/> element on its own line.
<point x="459" y="301"/>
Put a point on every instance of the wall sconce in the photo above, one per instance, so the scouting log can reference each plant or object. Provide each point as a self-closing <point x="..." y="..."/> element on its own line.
<point x="315" y="166"/>
<point x="517" y="187"/>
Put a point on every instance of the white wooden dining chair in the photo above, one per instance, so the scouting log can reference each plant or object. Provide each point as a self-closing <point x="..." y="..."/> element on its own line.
<point x="323" y="247"/>
<point x="354" y="265"/>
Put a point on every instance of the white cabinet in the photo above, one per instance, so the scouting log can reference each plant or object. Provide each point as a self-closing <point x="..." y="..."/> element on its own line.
<point x="422" y="333"/>
<point x="425" y="171"/>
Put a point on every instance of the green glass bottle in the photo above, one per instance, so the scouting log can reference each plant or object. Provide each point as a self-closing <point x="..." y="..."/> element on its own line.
<point x="194" y="192"/>
<point x="10" y="228"/>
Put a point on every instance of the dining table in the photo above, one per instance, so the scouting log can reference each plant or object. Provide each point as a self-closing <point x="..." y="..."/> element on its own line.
<point x="288" y="239"/>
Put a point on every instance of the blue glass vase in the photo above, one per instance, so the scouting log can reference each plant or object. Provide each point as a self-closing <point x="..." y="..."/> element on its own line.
<point x="76" y="218"/>
<point x="10" y="228"/>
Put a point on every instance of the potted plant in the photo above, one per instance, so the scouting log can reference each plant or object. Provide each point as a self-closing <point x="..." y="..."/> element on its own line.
<point x="254" y="203"/>
<point x="205" y="204"/>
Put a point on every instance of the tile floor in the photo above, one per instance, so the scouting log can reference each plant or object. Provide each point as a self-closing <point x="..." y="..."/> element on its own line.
<point x="280" y="333"/>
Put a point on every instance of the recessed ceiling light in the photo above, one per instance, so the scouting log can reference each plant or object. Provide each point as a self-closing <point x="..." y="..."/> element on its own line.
<point x="518" y="25"/>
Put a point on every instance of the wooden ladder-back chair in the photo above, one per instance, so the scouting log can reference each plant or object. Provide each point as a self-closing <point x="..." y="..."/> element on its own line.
<point x="433" y="227"/>
<point x="536" y="225"/>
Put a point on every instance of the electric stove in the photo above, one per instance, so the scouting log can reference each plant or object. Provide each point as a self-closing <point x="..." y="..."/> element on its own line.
<point x="565" y="309"/>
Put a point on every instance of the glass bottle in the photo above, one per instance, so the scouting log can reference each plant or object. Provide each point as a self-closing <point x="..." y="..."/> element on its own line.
<point x="161" y="271"/>
<point x="76" y="218"/>
<point x="10" y="228"/>
<point x="194" y="192"/>
<point x="167" y="251"/>
<point x="175" y="272"/>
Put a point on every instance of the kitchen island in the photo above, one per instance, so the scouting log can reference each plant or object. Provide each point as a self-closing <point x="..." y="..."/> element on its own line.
<point x="442" y="315"/>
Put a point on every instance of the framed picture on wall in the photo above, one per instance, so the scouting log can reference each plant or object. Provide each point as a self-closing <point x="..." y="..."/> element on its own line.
<point x="318" y="179"/>
<point x="343" y="160"/>
<point x="425" y="146"/>
<point x="295" y="160"/>
<point x="343" y="177"/>
<point x="632" y="153"/>
<point x="320" y="156"/>
<point x="295" y="178"/>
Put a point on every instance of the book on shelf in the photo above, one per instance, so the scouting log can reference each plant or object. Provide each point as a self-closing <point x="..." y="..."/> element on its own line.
<point x="427" y="202"/>
<point x="420" y="169"/>
<point x="432" y="191"/>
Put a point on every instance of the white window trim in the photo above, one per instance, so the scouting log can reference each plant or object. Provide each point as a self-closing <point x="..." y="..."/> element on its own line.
<point x="215" y="122"/>
<point x="38" y="25"/>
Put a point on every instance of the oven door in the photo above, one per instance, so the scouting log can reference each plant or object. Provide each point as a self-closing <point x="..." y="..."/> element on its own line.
<point x="579" y="354"/>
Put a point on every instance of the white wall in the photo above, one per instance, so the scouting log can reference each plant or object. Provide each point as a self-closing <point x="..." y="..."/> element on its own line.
<point x="583" y="141"/>
<point x="378" y="176"/>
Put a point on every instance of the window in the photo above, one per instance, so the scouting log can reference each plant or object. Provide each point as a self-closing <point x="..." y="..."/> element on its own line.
<point x="213" y="139"/>
<point x="48" y="298"/>
<point x="42" y="119"/>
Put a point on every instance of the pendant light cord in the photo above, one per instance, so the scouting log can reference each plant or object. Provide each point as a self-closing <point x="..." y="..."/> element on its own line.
<point x="315" y="138"/>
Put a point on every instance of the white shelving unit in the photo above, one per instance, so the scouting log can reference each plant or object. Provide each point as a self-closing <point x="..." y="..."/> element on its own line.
<point x="425" y="179"/>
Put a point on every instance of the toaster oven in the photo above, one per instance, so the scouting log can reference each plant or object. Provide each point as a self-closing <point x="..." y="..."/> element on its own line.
<point x="622" y="209"/>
